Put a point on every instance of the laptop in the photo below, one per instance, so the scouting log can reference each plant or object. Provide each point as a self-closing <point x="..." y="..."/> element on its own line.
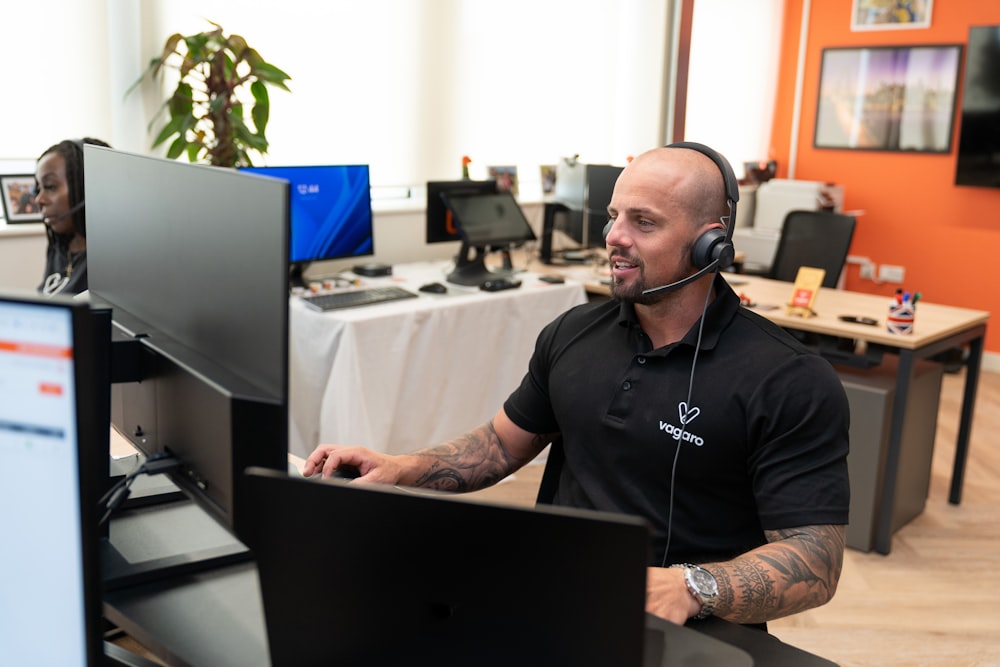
<point x="362" y="575"/>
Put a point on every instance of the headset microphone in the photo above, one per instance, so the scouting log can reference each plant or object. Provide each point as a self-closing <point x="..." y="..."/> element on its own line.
<point x="65" y="214"/>
<point x="681" y="283"/>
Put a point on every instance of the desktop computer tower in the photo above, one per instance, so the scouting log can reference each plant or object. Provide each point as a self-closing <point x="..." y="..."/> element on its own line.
<point x="579" y="206"/>
<point x="871" y="393"/>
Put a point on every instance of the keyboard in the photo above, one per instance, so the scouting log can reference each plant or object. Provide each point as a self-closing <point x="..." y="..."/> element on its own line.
<point x="358" y="297"/>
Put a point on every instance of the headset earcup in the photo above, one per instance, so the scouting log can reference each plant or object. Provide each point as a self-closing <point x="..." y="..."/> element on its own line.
<point x="607" y="230"/>
<point x="711" y="246"/>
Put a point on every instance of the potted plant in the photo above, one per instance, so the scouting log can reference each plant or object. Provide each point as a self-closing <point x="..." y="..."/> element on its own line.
<point x="206" y="115"/>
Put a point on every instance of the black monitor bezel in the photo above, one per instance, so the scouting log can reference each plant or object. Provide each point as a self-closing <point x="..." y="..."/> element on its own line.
<point x="439" y="224"/>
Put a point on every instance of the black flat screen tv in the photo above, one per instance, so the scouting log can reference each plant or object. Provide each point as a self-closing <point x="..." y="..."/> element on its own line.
<point x="979" y="136"/>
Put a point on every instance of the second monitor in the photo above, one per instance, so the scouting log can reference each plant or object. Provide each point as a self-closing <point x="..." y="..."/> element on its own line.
<point x="331" y="213"/>
<point x="440" y="225"/>
<point x="485" y="221"/>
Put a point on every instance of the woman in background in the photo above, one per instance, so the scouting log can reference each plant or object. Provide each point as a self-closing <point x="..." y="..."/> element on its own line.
<point x="59" y="196"/>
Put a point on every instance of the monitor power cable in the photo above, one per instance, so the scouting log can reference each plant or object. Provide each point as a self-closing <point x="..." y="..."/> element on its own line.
<point x="119" y="493"/>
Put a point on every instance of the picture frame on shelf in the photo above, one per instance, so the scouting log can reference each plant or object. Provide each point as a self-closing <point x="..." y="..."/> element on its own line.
<point x="548" y="174"/>
<point x="19" y="199"/>
<point x="890" y="14"/>
<point x="888" y="98"/>
<point x="506" y="178"/>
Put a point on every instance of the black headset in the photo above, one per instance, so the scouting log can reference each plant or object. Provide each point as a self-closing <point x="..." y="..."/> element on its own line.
<point x="713" y="250"/>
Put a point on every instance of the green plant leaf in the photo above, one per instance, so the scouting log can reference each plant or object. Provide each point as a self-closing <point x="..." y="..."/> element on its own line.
<point x="261" y="111"/>
<point x="238" y="45"/>
<point x="175" y="126"/>
<point x="169" y="48"/>
<point x="270" y="74"/>
<point x="181" y="103"/>
<point x="176" y="148"/>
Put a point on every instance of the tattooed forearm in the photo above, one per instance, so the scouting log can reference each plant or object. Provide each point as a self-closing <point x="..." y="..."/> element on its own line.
<point x="797" y="570"/>
<point x="474" y="461"/>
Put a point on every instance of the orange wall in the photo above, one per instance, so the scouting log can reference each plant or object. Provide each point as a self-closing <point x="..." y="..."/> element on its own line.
<point x="947" y="237"/>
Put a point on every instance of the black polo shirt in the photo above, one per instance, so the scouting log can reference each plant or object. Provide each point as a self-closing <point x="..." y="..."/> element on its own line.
<point x="762" y="441"/>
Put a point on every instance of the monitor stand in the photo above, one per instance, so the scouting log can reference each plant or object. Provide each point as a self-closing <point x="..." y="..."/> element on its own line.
<point x="165" y="540"/>
<point x="295" y="274"/>
<point x="472" y="271"/>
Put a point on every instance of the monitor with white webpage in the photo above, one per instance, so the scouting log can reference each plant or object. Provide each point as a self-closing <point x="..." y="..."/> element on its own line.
<point x="50" y="598"/>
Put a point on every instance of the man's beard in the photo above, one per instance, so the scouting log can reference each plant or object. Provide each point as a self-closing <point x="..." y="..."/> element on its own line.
<point x="627" y="293"/>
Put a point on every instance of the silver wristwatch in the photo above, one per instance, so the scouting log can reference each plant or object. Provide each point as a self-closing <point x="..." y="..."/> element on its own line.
<point x="702" y="585"/>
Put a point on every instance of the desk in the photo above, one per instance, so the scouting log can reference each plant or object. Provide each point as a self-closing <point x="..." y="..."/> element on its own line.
<point x="937" y="328"/>
<point x="407" y="374"/>
<point x="216" y="618"/>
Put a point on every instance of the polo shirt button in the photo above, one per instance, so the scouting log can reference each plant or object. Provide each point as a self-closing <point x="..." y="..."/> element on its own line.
<point x="641" y="360"/>
<point x="626" y="385"/>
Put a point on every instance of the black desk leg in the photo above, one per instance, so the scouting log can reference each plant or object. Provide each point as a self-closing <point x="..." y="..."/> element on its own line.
<point x="904" y="378"/>
<point x="965" y="423"/>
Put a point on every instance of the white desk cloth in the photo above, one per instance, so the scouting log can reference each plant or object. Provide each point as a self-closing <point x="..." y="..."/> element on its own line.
<point x="407" y="374"/>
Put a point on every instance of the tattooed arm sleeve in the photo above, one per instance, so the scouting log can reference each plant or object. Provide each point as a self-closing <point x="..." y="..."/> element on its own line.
<point x="480" y="458"/>
<point x="797" y="570"/>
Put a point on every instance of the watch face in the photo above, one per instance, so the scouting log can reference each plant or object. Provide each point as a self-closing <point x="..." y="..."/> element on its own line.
<point x="704" y="581"/>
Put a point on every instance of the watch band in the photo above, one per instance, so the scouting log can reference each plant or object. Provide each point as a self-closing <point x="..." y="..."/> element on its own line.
<point x="702" y="586"/>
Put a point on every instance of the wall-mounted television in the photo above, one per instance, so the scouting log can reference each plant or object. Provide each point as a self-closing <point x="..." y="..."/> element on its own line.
<point x="979" y="137"/>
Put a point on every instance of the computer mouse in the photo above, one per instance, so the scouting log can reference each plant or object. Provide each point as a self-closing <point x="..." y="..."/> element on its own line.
<point x="343" y="472"/>
<point x="434" y="288"/>
<point x="346" y="472"/>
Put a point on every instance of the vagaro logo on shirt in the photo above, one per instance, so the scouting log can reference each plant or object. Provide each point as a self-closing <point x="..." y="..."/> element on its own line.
<point x="686" y="416"/>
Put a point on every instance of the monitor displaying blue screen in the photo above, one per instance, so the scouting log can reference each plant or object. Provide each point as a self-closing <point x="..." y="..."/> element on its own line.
<point x="331" y="210"/>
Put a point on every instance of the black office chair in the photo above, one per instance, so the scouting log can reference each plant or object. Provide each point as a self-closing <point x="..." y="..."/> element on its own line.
<point x="819" y="239"/>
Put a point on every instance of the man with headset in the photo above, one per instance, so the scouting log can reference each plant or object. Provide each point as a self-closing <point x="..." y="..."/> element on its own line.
<point x="674" y="403"/>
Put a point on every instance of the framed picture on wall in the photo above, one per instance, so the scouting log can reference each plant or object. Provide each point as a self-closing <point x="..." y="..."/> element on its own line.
<point x="893" y="98"/>
<point x="19" y="198"/>
<point x="890" y="14"/>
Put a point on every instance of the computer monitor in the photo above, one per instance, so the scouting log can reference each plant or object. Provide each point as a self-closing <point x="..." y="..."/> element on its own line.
<point x="331" y="209"/>
<point x="484" y="221"/>
<point x="575" y="217"/>
<point x="193" y="261"/>
<point x="440" y="225"/>
<point x="49" y="484"/>
<point x="432" y="578"/>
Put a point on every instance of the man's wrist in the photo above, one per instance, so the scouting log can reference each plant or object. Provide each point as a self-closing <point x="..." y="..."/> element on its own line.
<point x="702" y="586"/>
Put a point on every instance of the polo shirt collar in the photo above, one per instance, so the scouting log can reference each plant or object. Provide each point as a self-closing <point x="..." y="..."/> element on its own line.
<point x="720" y="313"/>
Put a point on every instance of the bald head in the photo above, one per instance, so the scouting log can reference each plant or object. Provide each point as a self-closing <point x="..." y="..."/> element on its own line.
<point x="688" y="178"/>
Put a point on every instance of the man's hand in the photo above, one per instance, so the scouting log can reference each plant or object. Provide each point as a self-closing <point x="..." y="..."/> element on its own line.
<point x="370" y="466"/>
<point x="667" y="596"/>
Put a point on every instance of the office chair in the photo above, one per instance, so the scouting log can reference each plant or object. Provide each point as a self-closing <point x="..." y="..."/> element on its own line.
<point x="819" y="239"/>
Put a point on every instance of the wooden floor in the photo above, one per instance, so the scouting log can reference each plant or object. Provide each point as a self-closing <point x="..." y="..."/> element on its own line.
<point x="935" y="599"/>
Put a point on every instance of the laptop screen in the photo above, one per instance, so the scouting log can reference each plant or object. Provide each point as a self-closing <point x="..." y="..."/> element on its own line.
<point x="355" y="574"/>
<point x="49" y="602"/>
